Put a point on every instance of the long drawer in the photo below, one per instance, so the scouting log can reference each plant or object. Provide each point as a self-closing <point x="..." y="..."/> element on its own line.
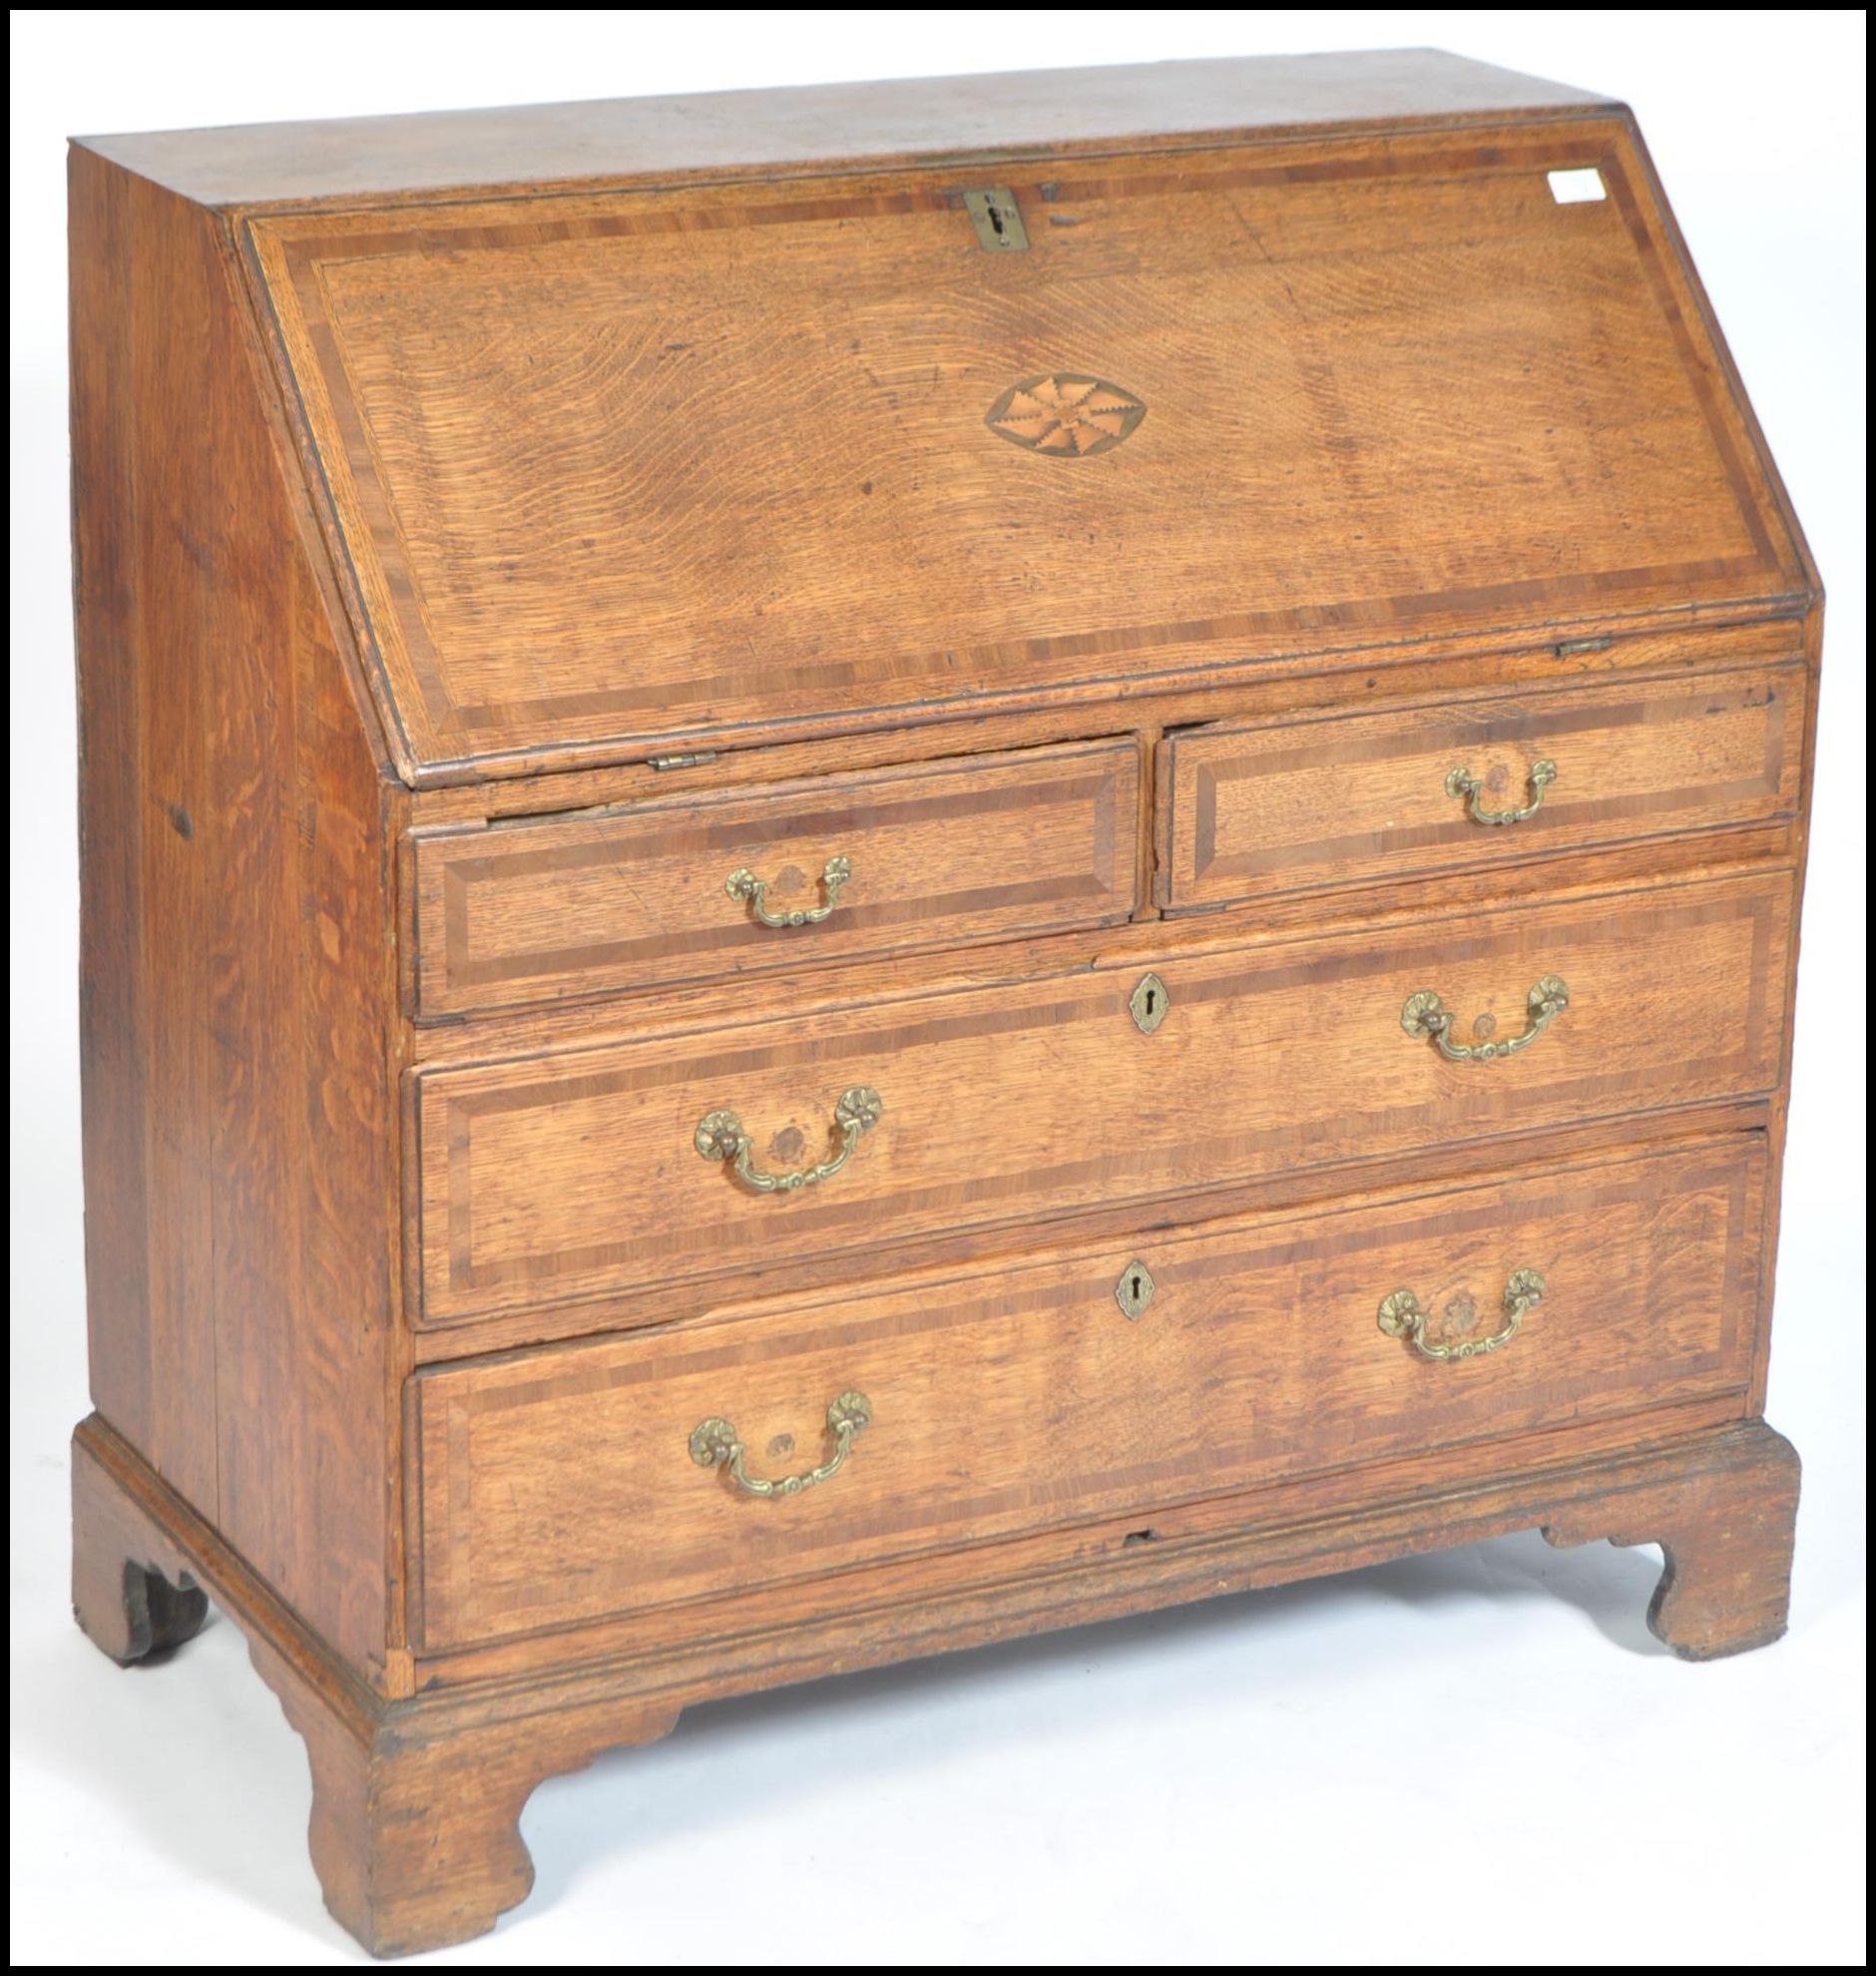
<point x="570" y="1483"/>
<point x="1253" y="807"/>
<point x="609" y="1172"/>
<point x="832" y="868"/>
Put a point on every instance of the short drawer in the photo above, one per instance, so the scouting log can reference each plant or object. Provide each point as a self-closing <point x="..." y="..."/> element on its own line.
<point x="571" y="1483"/>
<point x="683" y="888"/>
<point x="615" y="1172"/>
<point x="1250" y="808"/>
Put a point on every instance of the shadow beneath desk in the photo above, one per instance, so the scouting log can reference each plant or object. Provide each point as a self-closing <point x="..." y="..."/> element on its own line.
<point x="195" y="1754"/>
<point x="748" y="1749"/>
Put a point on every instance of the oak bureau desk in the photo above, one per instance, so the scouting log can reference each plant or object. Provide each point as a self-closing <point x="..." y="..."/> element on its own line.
<point x="865" y="867"/>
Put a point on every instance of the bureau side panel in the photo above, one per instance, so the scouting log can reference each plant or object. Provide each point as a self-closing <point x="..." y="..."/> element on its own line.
<point x="235" y="936"/>
<point x="152" y="1380"/>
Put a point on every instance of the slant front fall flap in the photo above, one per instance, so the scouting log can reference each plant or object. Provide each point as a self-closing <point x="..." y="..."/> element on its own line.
<point x="726" y="459"/>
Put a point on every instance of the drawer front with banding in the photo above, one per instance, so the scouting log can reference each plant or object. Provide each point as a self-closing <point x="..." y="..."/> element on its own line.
<point x="833" y="1137"/>
<point x="1253" y="808"/>
<point x="840" y="868"/>
<point x="566" y="1484"/>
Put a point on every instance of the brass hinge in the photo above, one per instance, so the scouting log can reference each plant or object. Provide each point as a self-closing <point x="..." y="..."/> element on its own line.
<point x="998" y="221"/>
<point x="682" y="761"/>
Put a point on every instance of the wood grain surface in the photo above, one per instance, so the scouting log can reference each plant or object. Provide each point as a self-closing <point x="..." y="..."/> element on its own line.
<point x="624" y="469"/>
<point x="557" y="1486"/>
<point x="1727" y="1538"/>
<point x="237" y="992"/>
<point x="416" y="1803"/>
<point x="776" y="131"/>
<point x="466" y="586"/>
<point x="1251" y="809"/>
<point x="577" y="1174"/>
<point x="1281" y="690"/>
<point x="942" y="854"/>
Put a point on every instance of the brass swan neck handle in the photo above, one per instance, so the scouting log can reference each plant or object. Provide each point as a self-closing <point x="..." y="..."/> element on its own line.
<point x="1403" y="1316"/>
<point x="1425" y="1015"/>
<point x="721" y="1135"/>
<point x="714" y="1443"/>
<point x="1463" y="782"/>
<point x="742" y="883"/>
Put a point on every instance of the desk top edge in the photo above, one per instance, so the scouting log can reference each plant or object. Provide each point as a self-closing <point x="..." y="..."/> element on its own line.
<point x="824" y="126"/>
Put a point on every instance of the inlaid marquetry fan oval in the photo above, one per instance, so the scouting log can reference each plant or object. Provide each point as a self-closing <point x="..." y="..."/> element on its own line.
<point x="1067" y="415"/>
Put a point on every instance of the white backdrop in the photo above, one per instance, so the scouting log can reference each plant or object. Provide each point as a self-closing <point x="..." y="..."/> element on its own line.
<point x="1476" y="1758"/>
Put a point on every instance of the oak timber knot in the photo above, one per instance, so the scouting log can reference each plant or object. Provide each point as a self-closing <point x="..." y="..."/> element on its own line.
<point x="1066" y="416"/>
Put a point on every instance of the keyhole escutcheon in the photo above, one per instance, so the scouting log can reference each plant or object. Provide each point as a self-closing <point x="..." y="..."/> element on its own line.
<point x="1149" y="1003"/>
<point x="1134" y="1290"/>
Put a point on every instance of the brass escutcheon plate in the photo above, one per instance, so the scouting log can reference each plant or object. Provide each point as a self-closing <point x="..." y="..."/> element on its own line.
<point x="998" y="219"/>
<point x="1134" y="1290"/>
<point x="1149" y="1003"/>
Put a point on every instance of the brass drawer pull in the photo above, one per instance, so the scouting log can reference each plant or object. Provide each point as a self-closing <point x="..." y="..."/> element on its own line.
<point x="1462" y="783"/>
<point x="1402" y="1317"/>
<point x="720" y="1136"/>
<point x="742" y="883"/>
<point x="713" y="1444"/>
<point x="1425" y="1015"/>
